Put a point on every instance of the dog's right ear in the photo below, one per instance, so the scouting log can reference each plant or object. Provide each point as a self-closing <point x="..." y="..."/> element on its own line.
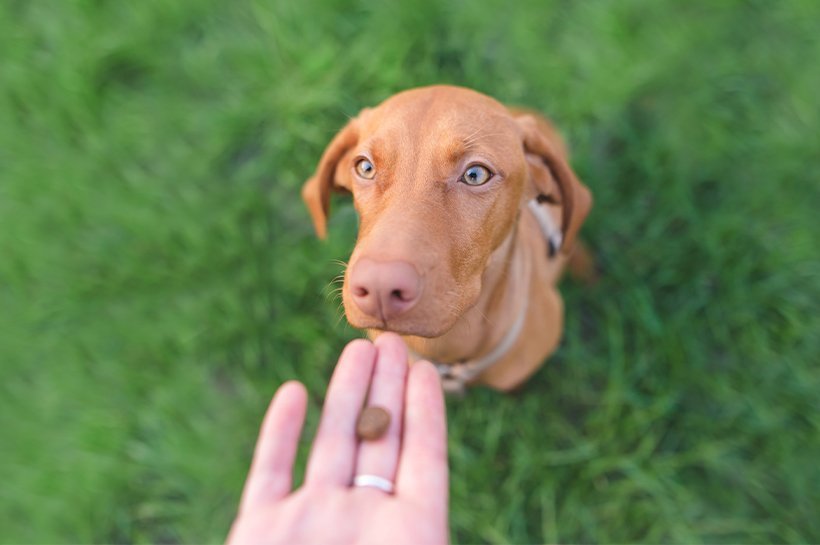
<point x="316" y="191"/>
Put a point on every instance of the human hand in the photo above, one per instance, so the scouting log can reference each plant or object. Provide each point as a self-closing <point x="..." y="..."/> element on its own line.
<point x="327" y="509"/>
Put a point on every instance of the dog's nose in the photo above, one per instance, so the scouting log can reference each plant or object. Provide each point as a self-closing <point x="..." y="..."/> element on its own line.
<point x="384" y="289"/>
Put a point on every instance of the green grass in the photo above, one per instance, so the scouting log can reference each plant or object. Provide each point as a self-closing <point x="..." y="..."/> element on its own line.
<point x="159" y="277"/>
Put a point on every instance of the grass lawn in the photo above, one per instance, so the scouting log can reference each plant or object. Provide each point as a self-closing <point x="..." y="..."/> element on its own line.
<point x="159" y="276"/>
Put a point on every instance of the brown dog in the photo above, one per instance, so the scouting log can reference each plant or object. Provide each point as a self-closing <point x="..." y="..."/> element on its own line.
<point x="468" y="213"/>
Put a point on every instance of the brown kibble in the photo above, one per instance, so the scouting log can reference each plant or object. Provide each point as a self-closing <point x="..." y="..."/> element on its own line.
<point x="372" y="424"/>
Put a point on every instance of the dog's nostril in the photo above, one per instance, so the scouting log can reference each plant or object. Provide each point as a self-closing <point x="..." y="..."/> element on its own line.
<point x="397" y="294"/>
<point x="361" y="292"/>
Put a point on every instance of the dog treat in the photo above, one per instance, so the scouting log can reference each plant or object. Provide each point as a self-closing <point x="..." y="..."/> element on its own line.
<point x="372" y="423"/>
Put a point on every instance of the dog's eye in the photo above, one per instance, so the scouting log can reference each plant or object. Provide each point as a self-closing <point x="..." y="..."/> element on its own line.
<point x="476" y="175"/>
<point x="365" y="169"/>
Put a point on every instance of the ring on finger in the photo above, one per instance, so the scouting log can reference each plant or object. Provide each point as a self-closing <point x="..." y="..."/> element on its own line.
<point x="374" y="481"/>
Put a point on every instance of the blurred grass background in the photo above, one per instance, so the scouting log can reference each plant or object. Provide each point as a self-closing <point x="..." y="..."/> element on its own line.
<point x="159" y="276"/>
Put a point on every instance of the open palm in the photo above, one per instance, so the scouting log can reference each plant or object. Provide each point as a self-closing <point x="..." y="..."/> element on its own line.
<point x="327" y="509"/>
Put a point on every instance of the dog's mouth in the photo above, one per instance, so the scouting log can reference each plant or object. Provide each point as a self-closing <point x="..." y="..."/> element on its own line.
<point x="418" y="324"/>
<point x="398" y="326"/>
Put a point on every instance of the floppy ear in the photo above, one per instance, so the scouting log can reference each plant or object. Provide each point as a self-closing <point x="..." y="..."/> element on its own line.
<point x="553" y="177"/>
<point x="316" y="191"/>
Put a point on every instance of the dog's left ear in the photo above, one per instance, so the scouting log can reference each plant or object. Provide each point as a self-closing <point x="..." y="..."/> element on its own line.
<point x="316" y="190"/>
<point x="554" y="179"/>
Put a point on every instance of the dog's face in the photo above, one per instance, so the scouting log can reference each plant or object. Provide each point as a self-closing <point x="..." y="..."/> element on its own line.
<point x="438" y="176"/>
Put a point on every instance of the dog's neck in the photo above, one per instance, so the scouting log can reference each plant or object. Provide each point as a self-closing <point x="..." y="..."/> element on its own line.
<point x="505" y="287"/>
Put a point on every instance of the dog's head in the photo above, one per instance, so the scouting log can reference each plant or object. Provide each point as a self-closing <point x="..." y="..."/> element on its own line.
<point x="438" y="176"/>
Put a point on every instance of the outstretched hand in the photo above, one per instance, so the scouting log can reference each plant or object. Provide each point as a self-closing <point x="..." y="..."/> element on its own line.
<point x="327" y="508"/>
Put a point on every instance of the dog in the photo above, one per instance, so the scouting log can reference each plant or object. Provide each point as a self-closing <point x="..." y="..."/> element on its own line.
<point x="468" y="214"/>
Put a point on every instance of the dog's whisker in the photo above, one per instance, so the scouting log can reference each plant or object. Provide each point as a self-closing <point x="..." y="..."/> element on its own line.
<point x="470" y="140"/>
<point x="480" y="132"/>
<point x="335" y="295"/>
<point x="332" y="287"/>
<point x="340" y="313"/>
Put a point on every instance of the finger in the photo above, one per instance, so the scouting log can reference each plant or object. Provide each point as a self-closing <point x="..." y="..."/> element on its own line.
<point x="422" y="473"/>
<point x="381" y="457"/>
<point x="271" y="475"/>
<point x="333" y="455"/>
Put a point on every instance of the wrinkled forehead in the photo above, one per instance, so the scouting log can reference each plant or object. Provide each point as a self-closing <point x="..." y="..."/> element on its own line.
<point x="443" y="124"/>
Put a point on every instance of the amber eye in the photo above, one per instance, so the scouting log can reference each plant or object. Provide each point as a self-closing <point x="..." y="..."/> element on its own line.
<point x="365" y="169"/>
<point x="476" y="175"/>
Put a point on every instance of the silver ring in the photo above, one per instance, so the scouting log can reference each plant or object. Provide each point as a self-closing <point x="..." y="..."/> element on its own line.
<point x="374" y="481"/>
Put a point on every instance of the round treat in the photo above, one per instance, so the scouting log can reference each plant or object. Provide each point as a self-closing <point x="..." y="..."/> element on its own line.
<point x="372" y="424"/>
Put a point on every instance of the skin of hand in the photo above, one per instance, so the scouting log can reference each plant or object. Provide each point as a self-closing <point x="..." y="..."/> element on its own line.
<point x="326" y="508"/>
